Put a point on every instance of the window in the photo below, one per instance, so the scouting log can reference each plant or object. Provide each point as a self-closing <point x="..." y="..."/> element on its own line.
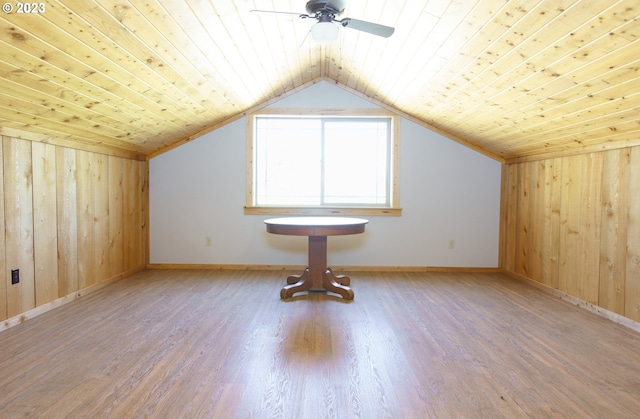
<point x="343" y="163"/>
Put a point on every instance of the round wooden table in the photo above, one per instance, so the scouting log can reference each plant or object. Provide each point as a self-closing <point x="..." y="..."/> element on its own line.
<point x="317" y="276"/>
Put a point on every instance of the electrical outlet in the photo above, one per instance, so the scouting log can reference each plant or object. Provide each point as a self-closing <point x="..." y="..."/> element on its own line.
<point x="208" y="241"/>
<point x="15" y="276"/>
<point x="452" y="244"/>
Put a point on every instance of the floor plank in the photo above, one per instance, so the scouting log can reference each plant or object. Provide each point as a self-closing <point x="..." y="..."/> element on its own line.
<point x="221" y="344"/>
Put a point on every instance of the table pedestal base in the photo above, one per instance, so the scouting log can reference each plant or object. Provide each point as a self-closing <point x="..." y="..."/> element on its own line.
<point x="318" y="276"/>
<point x="330" y="282"/>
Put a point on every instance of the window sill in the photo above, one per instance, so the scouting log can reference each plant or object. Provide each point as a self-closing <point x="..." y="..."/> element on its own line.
<point x="362" y="211"/>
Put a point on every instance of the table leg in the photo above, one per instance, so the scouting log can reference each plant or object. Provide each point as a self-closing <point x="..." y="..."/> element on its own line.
<point x="337" y="284"/>
<point x="340" y="279"/>
<point x="296" y="278"/>
<point x="297" y="283"/>
<point x="317" y="277"/>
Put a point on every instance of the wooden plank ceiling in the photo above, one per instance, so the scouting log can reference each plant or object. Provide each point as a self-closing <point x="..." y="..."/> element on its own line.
<point x="517" y="79"/>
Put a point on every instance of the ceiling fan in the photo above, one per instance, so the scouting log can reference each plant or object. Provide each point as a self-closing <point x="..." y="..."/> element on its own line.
<point x="326" y="13"/>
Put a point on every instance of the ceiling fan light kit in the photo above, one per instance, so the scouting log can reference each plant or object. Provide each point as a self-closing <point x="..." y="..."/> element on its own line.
<point x="324" y="33"/>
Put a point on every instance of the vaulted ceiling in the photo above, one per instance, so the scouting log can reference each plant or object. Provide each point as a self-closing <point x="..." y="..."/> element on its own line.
<point x="516" y="79"/>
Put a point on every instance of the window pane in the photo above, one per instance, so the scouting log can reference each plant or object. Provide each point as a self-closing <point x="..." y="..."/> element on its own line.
<point x="332" y="161"/>
<point x="356" y="160"/>
<point x="288" y="161"/>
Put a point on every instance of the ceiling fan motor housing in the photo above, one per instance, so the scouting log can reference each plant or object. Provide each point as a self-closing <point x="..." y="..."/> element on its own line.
<point x="323" y="7"/>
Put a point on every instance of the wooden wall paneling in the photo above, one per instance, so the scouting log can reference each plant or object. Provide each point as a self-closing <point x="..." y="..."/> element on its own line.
<point x="18" y="224"/>
<point x="144" y="212"/>
<point x="85" y="213"/>
<point x="63" y="213"/>
<point x="592" y="224"/>
<point x="128" y="204"/>
<point x="549" y="220"/>
<point x="539" y="221"/>
<point x="573" y="223"/>
<point x="511" y="190"/>
<point x="133" y="215"/>
<point x="537" y="192"/>
<point x="116" y="219"/>
<point x="67" y="221"/>
<point x="523" y="242"/>
<point x="101" y="217"/>
<point x="613" y="241"/>
<point x="3" y="265"/>
<point x="580" y="233"/>
<point x="45" y="230"/>
<point x="570" y="266"/>
<point x="141" y="212"/>
<point x="632" y="277"/>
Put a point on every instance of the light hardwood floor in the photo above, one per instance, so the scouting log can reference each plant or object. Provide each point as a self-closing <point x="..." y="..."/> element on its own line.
<point x="221" y="344"/>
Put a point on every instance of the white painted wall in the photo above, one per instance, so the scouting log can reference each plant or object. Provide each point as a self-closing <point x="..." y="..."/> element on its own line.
<point x="447" y="191"/>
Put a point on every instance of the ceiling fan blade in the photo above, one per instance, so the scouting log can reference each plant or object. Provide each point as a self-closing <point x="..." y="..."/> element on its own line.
<point x="276" y="12"/>
<point x="369" y="27"/>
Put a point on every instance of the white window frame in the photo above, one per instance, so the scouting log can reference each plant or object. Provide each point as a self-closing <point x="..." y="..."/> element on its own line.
<point x="393" y="209"/>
